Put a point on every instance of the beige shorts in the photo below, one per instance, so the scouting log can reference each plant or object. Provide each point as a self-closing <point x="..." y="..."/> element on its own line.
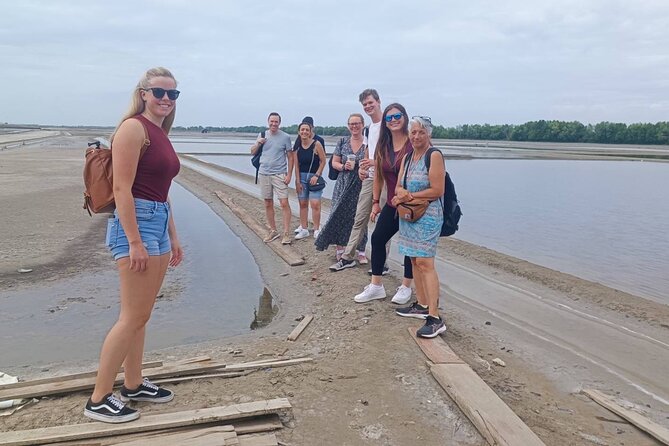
<point x="269" y="184"/>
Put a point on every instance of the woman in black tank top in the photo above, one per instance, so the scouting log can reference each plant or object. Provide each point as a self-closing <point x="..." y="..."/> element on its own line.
<point x="310" y="161"/>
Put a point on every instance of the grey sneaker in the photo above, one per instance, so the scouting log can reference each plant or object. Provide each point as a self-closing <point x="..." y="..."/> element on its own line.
<point x="433" y="326"/>
<point x="342" y="264"/>
<point x="110" y="410"/>
<point x="286" y="240"/>
<point x="414" y="310"/>
<point x="272" y="235"/>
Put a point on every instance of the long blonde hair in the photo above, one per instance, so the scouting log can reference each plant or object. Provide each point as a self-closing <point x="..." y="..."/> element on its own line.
<point x="137" y="105"/>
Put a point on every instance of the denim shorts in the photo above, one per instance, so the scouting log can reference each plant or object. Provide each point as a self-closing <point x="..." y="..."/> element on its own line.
<point x="306" y="194"/>
<point x="152" y="219"/>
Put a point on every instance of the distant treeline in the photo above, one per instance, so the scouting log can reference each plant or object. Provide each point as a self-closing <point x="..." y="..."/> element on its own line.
<point x="544" y="131"/>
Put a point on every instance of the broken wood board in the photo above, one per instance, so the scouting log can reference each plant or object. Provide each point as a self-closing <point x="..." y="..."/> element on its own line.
<point x="76" y="385"/>
<point x="61" y="378"/>
<point x="210" y="436"/>
<point x="253" y="425"/>
<point x="436" y="349"/>
<point x="258" y="440"/>
<point x="659" y="432"/>
<point x="496" y="422"/>
<point x="297" y="331"/>
<point x="263" y="423"/>
<point x="288" y="254"/>
<point x="144" y="424"/>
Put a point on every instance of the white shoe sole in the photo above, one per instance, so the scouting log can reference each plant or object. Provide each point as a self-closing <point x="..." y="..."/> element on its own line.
<point x="350" y="265"/>
<point x="401" y="300"/>
<point x="433" y="335"/>
<point x="165" y="399"/>
<point x="300" y="236"/>
<point x="111" y="419"/>
<point x="364" y="299"/>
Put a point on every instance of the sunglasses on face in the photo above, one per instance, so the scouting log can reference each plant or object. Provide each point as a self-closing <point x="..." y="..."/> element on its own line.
<point x="396" y="116"/>
<point x="353" y="124"/>
<point x="159" y="93"/>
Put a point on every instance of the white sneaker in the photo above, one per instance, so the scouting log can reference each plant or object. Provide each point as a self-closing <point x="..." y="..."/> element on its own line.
<point x="402" y="296"/>
<point x="371" y="292"/>
<point x="304" y="233"/>
<point x="316" y="232"/>
<point x="298" y="229"/>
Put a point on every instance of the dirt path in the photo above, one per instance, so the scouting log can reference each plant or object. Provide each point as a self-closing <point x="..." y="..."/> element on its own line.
<point x="369" y="383"/>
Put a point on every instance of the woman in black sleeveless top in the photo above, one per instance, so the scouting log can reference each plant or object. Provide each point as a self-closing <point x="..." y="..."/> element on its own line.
<point x="310" y="161"/>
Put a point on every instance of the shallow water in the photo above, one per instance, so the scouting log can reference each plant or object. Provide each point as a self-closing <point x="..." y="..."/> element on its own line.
<point x="604" y="221"/>
<point x="216" y="292"/>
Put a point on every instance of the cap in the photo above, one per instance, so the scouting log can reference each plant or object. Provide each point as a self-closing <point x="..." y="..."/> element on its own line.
<point x="309" y="120"/>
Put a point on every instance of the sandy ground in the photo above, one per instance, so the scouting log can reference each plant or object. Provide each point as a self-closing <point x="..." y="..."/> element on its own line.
<point x="369" y="383"/>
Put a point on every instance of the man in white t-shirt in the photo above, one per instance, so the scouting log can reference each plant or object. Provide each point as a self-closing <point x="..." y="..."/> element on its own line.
<point x="372" y="105"/>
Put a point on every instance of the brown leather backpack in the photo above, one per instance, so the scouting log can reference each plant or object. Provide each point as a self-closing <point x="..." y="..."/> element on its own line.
<point x="98" y="177"/>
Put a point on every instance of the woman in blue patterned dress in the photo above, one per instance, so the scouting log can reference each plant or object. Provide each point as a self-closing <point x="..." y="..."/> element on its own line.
<point x="418" y="239"/>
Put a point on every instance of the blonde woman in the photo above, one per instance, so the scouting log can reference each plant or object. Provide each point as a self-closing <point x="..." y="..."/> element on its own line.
<point x="142" y="239"/>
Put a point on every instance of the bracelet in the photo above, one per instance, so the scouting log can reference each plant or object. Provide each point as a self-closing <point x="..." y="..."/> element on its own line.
<point x="375" y="201"/>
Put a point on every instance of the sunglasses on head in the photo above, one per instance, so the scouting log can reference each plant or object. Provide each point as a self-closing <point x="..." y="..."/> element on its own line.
<point x="424" y="118"/>
<point x="396" y="116"/>
<point x="159" y="93"/>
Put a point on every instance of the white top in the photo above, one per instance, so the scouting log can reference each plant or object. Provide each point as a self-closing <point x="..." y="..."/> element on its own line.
<point x="373" y="138"/>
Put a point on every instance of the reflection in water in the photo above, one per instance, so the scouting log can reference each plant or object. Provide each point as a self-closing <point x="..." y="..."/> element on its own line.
<point x="264" y="314"/>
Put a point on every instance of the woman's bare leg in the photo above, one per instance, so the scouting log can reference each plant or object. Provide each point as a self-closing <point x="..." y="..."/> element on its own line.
<point x="138" y="294"/>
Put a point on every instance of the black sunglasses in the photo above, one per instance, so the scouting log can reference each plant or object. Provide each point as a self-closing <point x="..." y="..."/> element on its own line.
<point x="159" y="93"/>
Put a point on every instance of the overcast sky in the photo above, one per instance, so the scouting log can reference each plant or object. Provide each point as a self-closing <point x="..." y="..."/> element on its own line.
<point x="469" y="61"/>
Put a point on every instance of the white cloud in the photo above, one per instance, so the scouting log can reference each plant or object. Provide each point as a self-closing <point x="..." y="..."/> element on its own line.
<point x="75" y="62"/>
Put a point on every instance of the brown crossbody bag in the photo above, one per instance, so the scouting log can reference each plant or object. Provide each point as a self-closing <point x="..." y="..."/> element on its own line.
<point x="412" y="210"/>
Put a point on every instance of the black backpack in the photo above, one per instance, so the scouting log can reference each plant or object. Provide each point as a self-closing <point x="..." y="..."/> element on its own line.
<point x="255" y="160"/>
<point x="449" y="201"/>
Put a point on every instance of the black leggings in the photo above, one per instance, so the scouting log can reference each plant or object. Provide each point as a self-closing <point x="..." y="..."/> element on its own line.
<point x="387" y="225"/>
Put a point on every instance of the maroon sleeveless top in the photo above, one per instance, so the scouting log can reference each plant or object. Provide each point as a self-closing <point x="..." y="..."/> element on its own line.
<point x="157" y="167"/>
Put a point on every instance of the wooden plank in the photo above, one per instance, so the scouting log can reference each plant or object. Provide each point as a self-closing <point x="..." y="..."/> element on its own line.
<point x="259" y="424"/>
<point x="300" y="327"/>
<point x="179" y="379"/>
<point x="258" y="440"/>
<point x="210" y="436"/>
<point x="659" y="432"/>
<point x="288" y="254"/>
<point x="436" y="349"/>
<point x="144" y="424"/>
<point x="265" y="423"/>
<point x="496" y="422"/>
<point x="268" y="364"/>
<point x="61" y="378"/>
<point x="195" y="359"/>
<point x="76" y="385"/>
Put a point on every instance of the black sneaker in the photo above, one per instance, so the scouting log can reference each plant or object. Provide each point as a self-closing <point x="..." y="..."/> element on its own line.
<point x="433" y="326"/>
<point x="385" y="272"/>
<point x="147" y="391"/>
<point x="110" y="410"/>
<point x="414" y="310"/>
<point x="342" y="264"/>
